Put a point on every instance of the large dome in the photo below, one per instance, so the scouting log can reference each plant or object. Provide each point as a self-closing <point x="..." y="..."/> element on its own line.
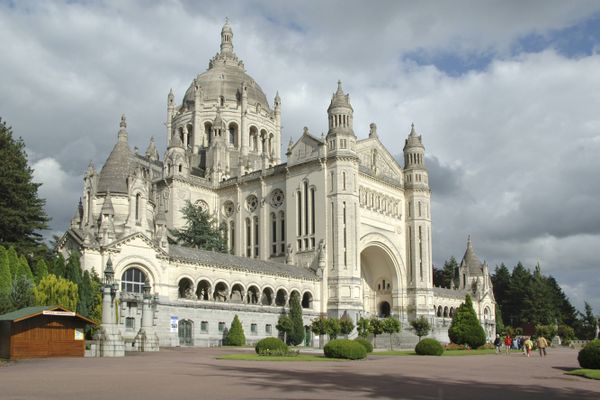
<point x="224" y="79"/>
<point x="225" y="76"/>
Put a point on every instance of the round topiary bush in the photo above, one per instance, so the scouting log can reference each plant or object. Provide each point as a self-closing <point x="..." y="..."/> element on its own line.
<point x="429" y="347"/>
<point x="270" y="345"/>
<point x="366" y="344"/>
<point x="345" y="348"/>
<point x="589" y="356"/>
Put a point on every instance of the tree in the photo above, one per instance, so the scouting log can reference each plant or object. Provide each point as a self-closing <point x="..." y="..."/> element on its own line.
<point x="421" y="326"/>
<point x="517" y="296"/>
<point x="450" y="273"/>
<point x="5" y="275"/>
<point x="200" y="231"/>
<point x="23" y="269"/>
<point x="465" y="327"/>
<point x="501" y="283"/>
<point x="346" y="325"/>
<point x="53" y="290"/>
<point x="390" y="325"/>
<point x="235" y="336"/>
<point x="296" y="334"/>
<point x="376" y="328"/>
<point x="21" y="210"/>
<point x="363" y="327"/>
<point x="318" y="326"/>
<point x="21" y="295"/>
<point x="333" y="328"/>
<point x="284" y="325"/>
<point x="40" y="269"/>
<point x="540" y="305"/>
<point x="13" y="261"/>
<point x="586" y="328"/>
<point x="58" y="266"/>
<point x="73" y="269"/>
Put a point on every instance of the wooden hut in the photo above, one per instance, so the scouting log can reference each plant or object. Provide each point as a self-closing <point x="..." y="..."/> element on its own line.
<point x="44" y="331"/>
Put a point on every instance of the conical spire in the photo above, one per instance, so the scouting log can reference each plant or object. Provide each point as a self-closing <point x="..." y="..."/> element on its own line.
<point x="115" y="171"/>
<point x="107" y="207"/>
<point x="471" y="260"/>
<point x="413" y="133"/>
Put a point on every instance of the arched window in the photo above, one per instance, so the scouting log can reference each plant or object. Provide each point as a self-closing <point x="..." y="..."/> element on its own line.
<point x="186" y="288"/>
<point x="233" y="129"/>
<point x="207" y="132"/>
<point x="307" y="300"/>
<point x="132" y="280"/>
<point x="221" y="292"/>
<point x="296" y="294"/>
<point x="266" y="298"/>
<point x="439" y="311"/>
<point x="137" y="207"/>
<point x="237" y="293"/>
<point x="203" y="290"/>
<point x="281" y="298"/>
<point x="273" y="234"/>
<point x="446" y="312"/>
<point x="252" y="296"/>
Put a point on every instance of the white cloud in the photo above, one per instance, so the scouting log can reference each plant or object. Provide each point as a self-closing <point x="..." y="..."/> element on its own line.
<point x="513" y="147"/>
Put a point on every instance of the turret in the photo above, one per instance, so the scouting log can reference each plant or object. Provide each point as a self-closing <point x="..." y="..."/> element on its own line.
<point x="226" y="38"/>
<point x="414" y="151"/>
<point x="340" y="136"/>
<point x="151" y="151"/>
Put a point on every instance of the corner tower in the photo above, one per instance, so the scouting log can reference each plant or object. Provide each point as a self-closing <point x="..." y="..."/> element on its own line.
<point x="344" y="281"/>
<point x="418" y="226"/>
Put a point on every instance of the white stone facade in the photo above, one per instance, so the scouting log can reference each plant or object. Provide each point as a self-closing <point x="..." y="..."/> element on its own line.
<point x="340" y="222"/>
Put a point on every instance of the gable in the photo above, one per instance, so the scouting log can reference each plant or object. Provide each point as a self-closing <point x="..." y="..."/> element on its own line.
<point x="376" y="160"/>
<point x="305" y="149"/>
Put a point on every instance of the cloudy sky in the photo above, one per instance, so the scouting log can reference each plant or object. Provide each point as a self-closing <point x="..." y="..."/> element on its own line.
<point x="506" y="96"/>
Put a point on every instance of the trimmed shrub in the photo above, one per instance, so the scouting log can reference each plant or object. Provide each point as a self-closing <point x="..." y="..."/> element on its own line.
<point x="487" y="346"/>
<point x="429" y="347"/>
<point x="589" y="356"/>
<point x="345" y="348"/>
<point x="465" y="327"/>
<point x="235" y="336"/>
<point x="270" y="346"/>
<point x="366" y="344"/>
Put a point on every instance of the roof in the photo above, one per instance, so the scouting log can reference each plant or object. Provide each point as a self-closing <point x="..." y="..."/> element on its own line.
<point x="247" y="264"/>
<point x="30" y="312"/>
<point x="115" y="171"/>
<point x="471" y="260"/>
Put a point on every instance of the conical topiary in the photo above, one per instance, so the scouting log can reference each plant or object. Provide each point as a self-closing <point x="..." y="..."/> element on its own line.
<point x="465" y="327"/>
<point x="235" y="336"/>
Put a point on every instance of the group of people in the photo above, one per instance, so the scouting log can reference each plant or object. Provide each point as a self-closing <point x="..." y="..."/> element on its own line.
<point x="524" y="343"/>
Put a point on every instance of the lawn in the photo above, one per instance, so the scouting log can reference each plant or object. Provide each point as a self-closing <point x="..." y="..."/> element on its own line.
<point x="587" y="373"/>
<point x="448" y="353"/>
<point x="256" y="357"/>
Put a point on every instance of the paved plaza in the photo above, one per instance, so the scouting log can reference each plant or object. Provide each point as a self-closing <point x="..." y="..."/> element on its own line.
<point x="195" y="373"/>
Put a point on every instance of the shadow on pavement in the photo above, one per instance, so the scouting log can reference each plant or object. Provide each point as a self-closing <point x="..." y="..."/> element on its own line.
<point x="391" y="386"/>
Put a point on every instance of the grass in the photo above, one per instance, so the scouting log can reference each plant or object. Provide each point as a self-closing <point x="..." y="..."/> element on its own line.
<point x="447" y="353"/>
<point x="256" y="357"/>
<point x="586" y="373"/>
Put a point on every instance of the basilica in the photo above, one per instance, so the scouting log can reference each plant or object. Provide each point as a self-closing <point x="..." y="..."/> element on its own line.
<point x="335" y="220"/>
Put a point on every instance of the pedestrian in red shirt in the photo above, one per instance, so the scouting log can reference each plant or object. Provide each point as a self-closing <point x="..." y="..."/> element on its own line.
<point x="507" y="343"/>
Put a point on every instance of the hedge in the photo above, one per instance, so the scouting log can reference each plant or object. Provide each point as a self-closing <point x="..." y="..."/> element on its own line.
<point x="366" y="344"/>
<point x="589" y="356"/>
<point x="429" y="347"/>
<point x="270" y="346"/>
<point x="345" y="348"/>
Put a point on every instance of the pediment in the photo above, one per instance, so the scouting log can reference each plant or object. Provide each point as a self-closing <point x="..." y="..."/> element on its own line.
<point x="306" y="148"/>
<point x="375" y="158"/>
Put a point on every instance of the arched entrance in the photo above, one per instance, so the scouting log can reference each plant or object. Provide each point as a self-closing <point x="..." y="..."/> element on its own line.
<point x="379" y="281"/>
<point x="384" y="309"/>
<point x="185" y="329"/>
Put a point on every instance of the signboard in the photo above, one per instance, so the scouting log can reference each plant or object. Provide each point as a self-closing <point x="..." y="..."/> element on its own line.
<point x="174" y="323"/>
<point x="59" y="313"/>
<point x="79" y="334"/>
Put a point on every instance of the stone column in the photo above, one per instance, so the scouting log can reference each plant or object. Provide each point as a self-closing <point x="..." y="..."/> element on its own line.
<point x="109" y="337"/>
<point x="146" y="339"/>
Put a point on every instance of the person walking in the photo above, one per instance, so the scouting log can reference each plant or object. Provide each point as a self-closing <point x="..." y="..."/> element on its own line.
<point x="498" y="343"/>
<point x="542" y="343"/>
<point x="528" y="345"/>
<point x="507" y="343"/>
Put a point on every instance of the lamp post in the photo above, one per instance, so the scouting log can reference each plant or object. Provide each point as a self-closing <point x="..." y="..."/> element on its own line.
<point x="108" y="293"/>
